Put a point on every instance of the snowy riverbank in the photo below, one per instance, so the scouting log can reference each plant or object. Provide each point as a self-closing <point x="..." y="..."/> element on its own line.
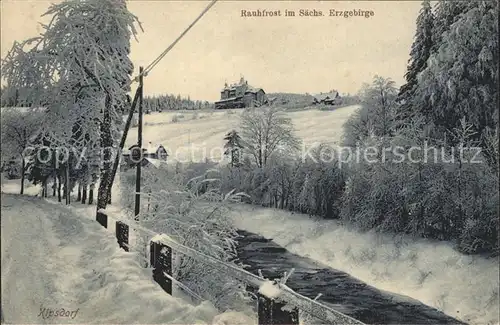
<point x="464" y="287"/>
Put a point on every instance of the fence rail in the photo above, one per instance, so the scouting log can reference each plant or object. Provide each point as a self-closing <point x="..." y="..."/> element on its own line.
<point x="270" y="310"/>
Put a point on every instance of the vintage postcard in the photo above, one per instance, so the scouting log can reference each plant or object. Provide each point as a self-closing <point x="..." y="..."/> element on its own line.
<point x="249" y="162"/>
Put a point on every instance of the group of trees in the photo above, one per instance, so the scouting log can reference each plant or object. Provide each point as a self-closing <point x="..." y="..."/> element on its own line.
<point x="171" y="102"/>
<point x="10" y="98"/>
<point x="444" y="120"/>
<point x="78" y="71"/>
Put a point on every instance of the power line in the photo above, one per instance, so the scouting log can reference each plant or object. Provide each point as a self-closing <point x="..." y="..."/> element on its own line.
<point x="162" y="55"/>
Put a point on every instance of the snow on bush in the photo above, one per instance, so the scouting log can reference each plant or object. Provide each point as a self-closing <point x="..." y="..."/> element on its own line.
<point x="196" y="215"/>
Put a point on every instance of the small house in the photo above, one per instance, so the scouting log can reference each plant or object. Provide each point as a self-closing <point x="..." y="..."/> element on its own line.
<point x="156" y="156"/>
<point x="330" y="98"/>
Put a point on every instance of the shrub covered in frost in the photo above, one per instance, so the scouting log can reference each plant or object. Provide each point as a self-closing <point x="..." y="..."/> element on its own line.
<point x="196" y="214"/>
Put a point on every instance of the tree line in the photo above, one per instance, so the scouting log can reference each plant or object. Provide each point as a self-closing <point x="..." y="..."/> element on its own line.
<point x="172" y="102"/>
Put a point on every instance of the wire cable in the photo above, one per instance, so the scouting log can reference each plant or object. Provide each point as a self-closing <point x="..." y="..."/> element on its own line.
<point x="171" y="46"/>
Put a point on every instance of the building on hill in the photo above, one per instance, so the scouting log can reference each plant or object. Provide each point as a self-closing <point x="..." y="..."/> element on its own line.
<point x="330" y="98"/>
<point x="241" y="95"/>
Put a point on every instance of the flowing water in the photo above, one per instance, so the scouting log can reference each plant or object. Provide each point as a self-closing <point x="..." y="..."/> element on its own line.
<point x="339" y="290"/>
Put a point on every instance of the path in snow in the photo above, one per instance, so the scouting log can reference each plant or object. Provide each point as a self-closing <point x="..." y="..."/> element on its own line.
<point x="53" y="259"/>
<point x="339" y="290"/>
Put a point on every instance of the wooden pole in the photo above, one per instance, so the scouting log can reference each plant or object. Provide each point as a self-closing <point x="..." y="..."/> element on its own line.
<point x="139" y="144"/>
<point x="123" y="139"/>
<point x="121" y="231"/>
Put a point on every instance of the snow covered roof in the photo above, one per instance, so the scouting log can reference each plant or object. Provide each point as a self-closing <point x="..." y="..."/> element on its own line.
<point x="155" y="147"/>
<point x="241" y="83"/>
<point x="253" y="90"/>
<point x="155" y="162"/>
<point x="330" y="95"/>
<point x="149" y="148"/>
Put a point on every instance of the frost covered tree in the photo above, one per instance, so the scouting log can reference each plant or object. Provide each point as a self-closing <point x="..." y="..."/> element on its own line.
<point x="197" y="219"/>
<point x="447" y="12"/>
<point x="265" y="131"/>
<point x="233" y="147"/>
<point x="18" y="130"/>
<point x="454" y="102"/>
<point x="79" y="69"/>
<point x="376" y="116"/>
<point x="419" y="54"/>
<point x="461" y="79"/>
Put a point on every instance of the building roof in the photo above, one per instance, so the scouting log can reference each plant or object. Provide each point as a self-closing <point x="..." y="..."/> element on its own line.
<point x="253" y="90"/>
<point x="241" y="83"/>
<point x="155" y="162"/>
<point x="325" y="96"/>
<point x="149" y="146"/>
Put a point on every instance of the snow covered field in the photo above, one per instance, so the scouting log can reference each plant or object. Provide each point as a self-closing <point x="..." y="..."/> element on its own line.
<point x="199" y="134"/>
<point x="464" y="287"/>
<point x="56" y="262"/>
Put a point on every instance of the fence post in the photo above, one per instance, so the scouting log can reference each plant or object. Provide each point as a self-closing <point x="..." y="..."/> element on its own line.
<point x="161" y="261"/>
<point x="121" y="231"/>
<point x="270" y="312"/>
<point x="102" y="218"/>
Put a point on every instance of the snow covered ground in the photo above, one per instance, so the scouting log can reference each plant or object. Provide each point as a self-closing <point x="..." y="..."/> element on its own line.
<point x="58" y="267"/>
<point x="464" y="287"/>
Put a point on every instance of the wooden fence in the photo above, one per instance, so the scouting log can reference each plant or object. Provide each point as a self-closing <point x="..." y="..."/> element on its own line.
<point x="270" y="311"/>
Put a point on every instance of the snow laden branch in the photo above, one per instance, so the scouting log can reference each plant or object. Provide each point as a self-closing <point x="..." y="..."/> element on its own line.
<point x="81" y="54"/>
<point x="265" y="131"/>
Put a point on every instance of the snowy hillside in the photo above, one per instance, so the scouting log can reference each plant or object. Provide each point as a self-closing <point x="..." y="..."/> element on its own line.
<point x="202" y="132"/>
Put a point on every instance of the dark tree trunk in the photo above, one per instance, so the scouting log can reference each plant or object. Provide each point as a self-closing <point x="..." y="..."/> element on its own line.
<point x="59" y="185"/>
<point x="79" y="195"/>
<point x="54" y="186"/>
<point x="106" y="145"/>
<point x="84" y="194"/>
<point x="91" y="194"/>
<point x="23" y="168"/>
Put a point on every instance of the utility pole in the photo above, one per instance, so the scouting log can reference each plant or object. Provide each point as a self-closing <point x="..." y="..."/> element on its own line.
<point x="139" y="144"/>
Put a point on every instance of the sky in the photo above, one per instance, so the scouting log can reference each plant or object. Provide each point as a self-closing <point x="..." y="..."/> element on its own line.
<point x="279" y="54"/>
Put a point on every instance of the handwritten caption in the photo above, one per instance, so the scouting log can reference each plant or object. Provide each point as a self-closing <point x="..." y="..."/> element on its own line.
<point x="47" y="313"/>
<point x="308" y="13"/>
